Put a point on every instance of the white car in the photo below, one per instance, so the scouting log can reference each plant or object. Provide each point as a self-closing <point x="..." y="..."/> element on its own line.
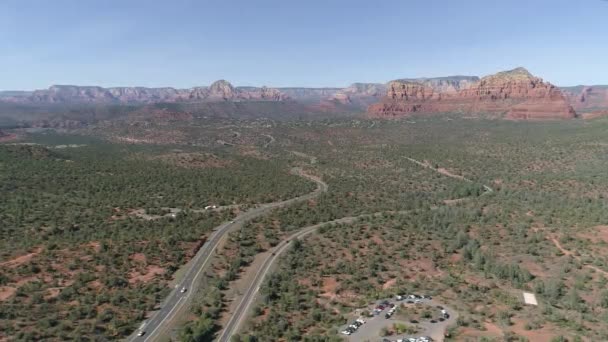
<point x="141" y="333"/>
<point x="360" y="320"/>
<point x="183" y="290"/>
<point x="345" y="332"/>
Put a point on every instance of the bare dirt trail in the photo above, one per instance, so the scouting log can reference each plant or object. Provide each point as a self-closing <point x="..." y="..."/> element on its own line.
<point x="240" y="312"/>
<point x="447" y="173"/>
<point x="245" y="301"/>
<point x="573" y="255"/>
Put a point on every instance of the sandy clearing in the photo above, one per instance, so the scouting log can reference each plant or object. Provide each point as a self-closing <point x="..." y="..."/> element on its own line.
<point x="20" y="260"/>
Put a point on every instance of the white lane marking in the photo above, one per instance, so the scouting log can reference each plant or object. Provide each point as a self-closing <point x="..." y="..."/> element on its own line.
<point x="245" y="216"/>
<point x="160" y="323"/>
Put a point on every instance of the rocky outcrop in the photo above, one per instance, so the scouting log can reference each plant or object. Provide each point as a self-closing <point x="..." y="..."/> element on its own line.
<point x="218" y="91"/>
<point x="309" y="95"/>
<point x="450" y="84"/>
<point x="587" y="98"/>
<point x="514" y="94"/>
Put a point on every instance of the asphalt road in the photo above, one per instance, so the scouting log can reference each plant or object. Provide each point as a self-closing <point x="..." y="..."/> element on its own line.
<point x="244" y="306"/>
<point x="370" y="331"/>
<point x="176" y="300"/>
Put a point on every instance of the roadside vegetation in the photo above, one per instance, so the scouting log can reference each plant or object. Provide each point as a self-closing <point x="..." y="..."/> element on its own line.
<point x="76" y="262"/>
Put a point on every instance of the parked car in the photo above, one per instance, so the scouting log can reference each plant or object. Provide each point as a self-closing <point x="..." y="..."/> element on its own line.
<point x="439" y="307"/>
<point x="183" y="290"/>
<point x="433" y="321"/>
<point x="385" y="302"/>
<point x="441" y="319"/>
<point x="446" y="316"/>
<point x="391" y="305"/>
<point x="141" y="333"/>
<point x="413" y="321"/>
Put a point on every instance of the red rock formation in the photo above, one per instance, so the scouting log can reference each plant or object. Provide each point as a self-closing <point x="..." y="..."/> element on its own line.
<point x="516" y="94"/>
<point x="587" y="97"/>
<point x="218" y="91"/>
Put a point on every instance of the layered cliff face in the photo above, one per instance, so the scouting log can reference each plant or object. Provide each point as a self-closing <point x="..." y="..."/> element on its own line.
<point x="309" y="95"/>
<point x="514" y="94"/>
<point x="587" y="98"/>
<point x="218" y="91"/>
<point x="359" y="94"/>
<point x="450" y="84"/>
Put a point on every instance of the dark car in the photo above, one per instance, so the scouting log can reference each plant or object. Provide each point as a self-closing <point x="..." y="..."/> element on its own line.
<point x="413" y="321"/>
<point x="446" y="316"/>
<point x="441" y="319"/>
<point x="433" y="321"/>
<point x="439" y="307"/>
<point x="384" y="302"/>
<point x="410" y="302"/>
<point x="387" y="316"/>
<point x="391" y="305"/>
<point x="381" y="307"/>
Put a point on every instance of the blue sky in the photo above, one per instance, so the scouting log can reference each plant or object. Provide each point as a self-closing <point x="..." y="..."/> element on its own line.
<point x="183" y="43"/>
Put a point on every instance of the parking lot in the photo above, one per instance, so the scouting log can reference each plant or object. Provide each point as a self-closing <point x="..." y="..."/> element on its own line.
<point x="433" y="328"/>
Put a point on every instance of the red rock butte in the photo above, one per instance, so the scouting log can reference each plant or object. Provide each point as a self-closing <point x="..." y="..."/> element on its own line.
<point x="514" y="94"/>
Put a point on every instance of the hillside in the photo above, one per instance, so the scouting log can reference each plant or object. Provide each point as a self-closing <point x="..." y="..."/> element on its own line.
<point x="69" y="94"/>
<point x="587" y="98"/>
<point x="513" y="94"/>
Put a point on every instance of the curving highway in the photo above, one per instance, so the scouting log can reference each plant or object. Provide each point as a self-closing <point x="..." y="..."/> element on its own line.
<point x="175" y="302"/>
<point x="244" y="306"/>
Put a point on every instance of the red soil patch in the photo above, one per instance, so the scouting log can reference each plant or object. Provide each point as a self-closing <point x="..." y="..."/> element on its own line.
<point x="53" y="292"/>
<point x="455" y="258"/>
<point x="545" y="334"/>
<point x="151" y="272"/>
<point x="138" y="257"/>
<point x="330" y="285"/>
<point x="423" y="266"/>
<point x="6" y="292"/>
<point x="534" y="268"/>
<point x="377" y="240"/>
<point x="389" y="284"/>
<point x="599" y="233"/>
<point x="20" y="260"/>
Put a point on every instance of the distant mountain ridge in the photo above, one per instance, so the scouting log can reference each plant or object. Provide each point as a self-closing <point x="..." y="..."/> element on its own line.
<point x="218" y="91"/>
<point x="515" y="93"/>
